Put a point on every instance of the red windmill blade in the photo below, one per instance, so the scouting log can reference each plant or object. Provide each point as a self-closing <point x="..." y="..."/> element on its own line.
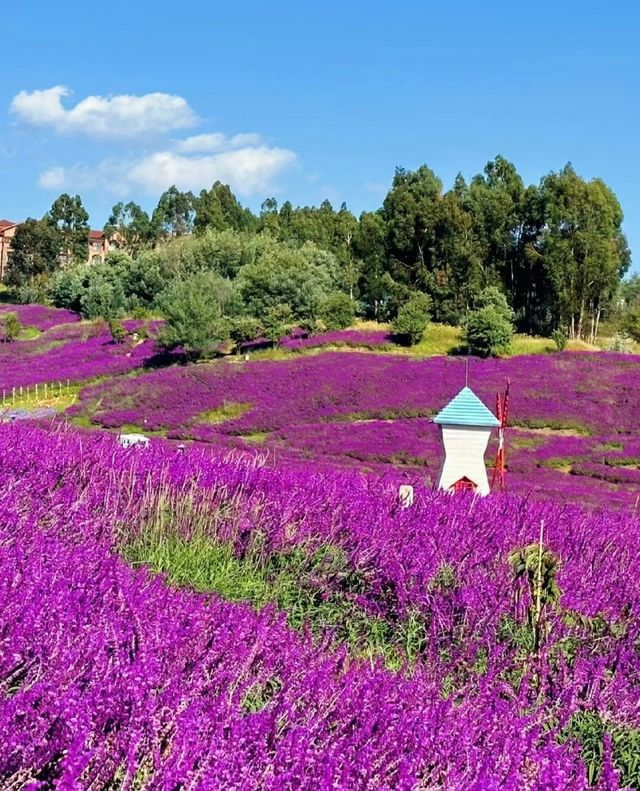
<point x="502" y="410"/>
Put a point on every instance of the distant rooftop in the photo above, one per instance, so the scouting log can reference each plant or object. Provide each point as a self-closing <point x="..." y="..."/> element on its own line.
<point x="466" y="409"/>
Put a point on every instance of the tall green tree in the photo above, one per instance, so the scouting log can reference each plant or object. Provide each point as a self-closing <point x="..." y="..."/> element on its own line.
<point x="131" y="226"/>
<point x="174" y="215"/>
<point x="583" y="249"/>
<point x="35" y="251"/>
<point x="71" y="220"/>
<point x="219" y="209"/>
<point x="411" y="211"/>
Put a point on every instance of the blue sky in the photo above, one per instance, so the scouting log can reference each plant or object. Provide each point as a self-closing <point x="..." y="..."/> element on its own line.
<point x="307" y="101"/>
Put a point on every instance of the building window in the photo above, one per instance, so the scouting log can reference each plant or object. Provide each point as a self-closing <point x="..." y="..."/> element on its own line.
<point x="96" y="259"/>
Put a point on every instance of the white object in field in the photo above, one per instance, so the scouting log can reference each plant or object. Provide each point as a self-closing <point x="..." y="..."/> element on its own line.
<point x="129" y="440"/>
<point x="405" y="495"/>
<point x="464" y="448"/>
<point x="466" y="425"/>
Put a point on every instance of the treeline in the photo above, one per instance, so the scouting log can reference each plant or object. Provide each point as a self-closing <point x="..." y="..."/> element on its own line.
<point x="555" y="250"/>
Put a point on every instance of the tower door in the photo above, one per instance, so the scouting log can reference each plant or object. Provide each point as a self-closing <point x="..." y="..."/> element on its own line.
<point x="464" y="484"/>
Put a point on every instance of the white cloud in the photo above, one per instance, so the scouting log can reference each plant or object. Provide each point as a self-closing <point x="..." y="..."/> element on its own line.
<point x="248" y="170"/>
<point x="119" y="116"/>
<point x="216" y="141"/>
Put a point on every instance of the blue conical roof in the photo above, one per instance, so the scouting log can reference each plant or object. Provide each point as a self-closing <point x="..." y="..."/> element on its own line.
<point x="466" y="409"/>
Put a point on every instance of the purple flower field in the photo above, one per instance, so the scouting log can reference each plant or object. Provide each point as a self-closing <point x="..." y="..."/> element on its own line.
<point x="77" y="352"/>
<point x="575" y="431"/>
<point x="40" y="316"/>
<point x="109" y="677"/>
<point x="359" y="338"/>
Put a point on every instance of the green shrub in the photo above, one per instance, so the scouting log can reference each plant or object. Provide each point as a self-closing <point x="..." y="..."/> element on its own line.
<point x="489" y="328"/>
<point x="245" y="328"/>
<point x="413" y="319"/>
<point x="488" y="333"/>
<point x="117" y="330"/>
<point x="193" y="313"/>
<point x="9" y="327"/>
<point x="338" y="311"/>
<point x="277" y="320"/>
<point x="560" y="339"/>
<point x="620" y="343"/>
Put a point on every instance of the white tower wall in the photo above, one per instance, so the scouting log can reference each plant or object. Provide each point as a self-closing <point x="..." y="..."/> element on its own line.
<point x="464" y="449"/>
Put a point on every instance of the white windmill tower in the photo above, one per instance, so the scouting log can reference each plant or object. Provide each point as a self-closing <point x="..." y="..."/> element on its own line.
<point x="465" y="424"/>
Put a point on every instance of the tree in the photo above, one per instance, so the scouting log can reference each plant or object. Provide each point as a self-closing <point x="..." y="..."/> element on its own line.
<point x="496" y="198"/>
<point x="243" y="329"/>
<point x="300" y="278"/>
<point x="219" y="209"/>
<point x="174" y="214"/>
<point x="117" y="330"/>
<point x="369" y="248"/>
<point x="102" y="298"/>
<point x="338" y="311"/>
<point x="583" y="249"/>
<point x="66" y="288"/>
<point x="489" y="328"/>
<point x="411" y="212"/>
<point x="71" y="219"/>
<point x="277" y="320"/>
<point x="413" y="318"/>
<point x="35" y="250"/>
<point x="131" y="226"/>
<point x="9" y="327"/>
<point x="193" y="314"/>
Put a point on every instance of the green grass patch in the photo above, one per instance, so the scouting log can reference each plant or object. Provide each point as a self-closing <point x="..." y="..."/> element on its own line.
<point x="29" y="334"/>
<point x="588" y="729"/>
<point x="314" y="586"/>
<point x="552" y="427"/>
<point x="228" y="411"/>
<point x="257" y="437"/>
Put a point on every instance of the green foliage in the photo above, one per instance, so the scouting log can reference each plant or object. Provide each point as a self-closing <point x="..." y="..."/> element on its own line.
<point x="245" y="328"/>
<point x="337" y="311"/>
<point x="102" y="298"/>
<point x="300" y="278"/>
<point x="489" y="328"/>
<point x="537" y="567"/>
<point x="71" y="220"/>
<point x="218" y="209"/>
<point x="193" y="309"/>
<point x="314" y="586"/>
<point x="35" y="290"/>
<point x="588" y="728"/>
<point x="582" y="247"/>
<point x="276" y="322"/>
<point x="9" y="327"/>
<point x="67" y="287"/>
<point x="413" y="319"/>
<point x="117" y="330"/>
<point x="560" y="339"/>
<point x="130" y="226"/>
<point x="621" y="343"/>
<point x="35" y="251"/>
<point x="174" y="214"/>
<point x="631" y="323"/>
